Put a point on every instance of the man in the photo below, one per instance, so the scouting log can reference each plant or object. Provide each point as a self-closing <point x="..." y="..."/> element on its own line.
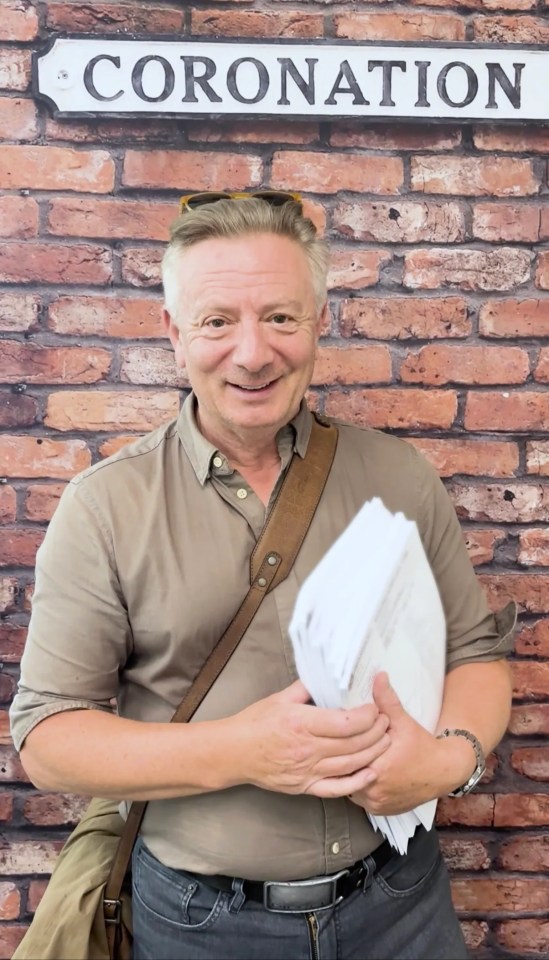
<point x="144" y="564"/>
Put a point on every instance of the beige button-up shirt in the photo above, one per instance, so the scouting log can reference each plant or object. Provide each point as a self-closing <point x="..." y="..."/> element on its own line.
<point x="144" y="564"/>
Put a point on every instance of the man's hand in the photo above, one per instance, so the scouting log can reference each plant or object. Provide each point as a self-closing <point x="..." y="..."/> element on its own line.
<point x="287" y="745"/>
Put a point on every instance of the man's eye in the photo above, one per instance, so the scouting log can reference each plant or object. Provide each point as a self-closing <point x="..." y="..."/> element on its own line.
<point x="279" y="318"/>
<point x="216" y="322"/>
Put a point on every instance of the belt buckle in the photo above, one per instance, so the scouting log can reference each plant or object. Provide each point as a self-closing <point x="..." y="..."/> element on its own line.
<point x="304" y="885"/>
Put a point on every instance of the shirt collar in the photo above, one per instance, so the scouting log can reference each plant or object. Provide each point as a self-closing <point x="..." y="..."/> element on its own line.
<point x="293" y="437"/>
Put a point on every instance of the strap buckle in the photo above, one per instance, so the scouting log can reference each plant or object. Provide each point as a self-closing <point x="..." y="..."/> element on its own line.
<point x="284" y="897"/>
<point x="112" y="911"/>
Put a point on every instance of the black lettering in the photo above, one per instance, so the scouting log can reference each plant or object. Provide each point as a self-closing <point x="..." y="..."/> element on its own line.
<point x="345" y="73"/>
<point x="472" y="84"/>
<point x="191" y="79"/>
<point x="387" y="67"/>
<point x="422" y="100"/>
<point x="89" y="82"/>
<point x="262" y="76"/>
<point x="137" y="78"/>
<point x="307" y="87"/>
<point x="512" y="91"/>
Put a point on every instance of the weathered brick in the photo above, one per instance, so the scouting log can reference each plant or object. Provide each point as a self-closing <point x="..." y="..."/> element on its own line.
<point x="541" y="372"/>
<point x="10" y="938"/>
<point x="113" y="130"/>
<point x="110" y="410"/>
<point x="507" y="221"/>
<point x="475" y="933"/>
<point x="56" y="168"/>
<point x="17" y="410"/>
<point x="488" y="458"/>
<point x="399" y="26"/>
<point x="5" y="736"/>
<point x="54" y="263"/>
<point x="12" y="640"/>
<point x="462" y="853"/>
<point x="54" y="809"/>
<point x="32" y="363"/>
<point x="400" y="221"/>
<point x="371" y="364"/>
<point x="141" y="266"/>
<point x="37" y="889"/>
<point x="532" y="762"/>
<point x="23" y="857"/>
<point x="18" y="547"/>
<point x="476" y="810"/>
<point x="499" y="269"/>
<point x="524" y="938"/>
<point x="40" y="457"/>
<point x="400" y="318"/>
<point x="7" y="689"/>
<point x="18" y="216"/>
<point x="504" y="503"/>
<point x="18" y="312"/>
<point x="329" y="172"/>
<point x="119" y="219"/>
<point x="411" y="409"/>
<point x="227" y="130"/>
<point x="114" y="444"/>
<point x="18" y="118"/>
<point x="521" y="810"/>
<point x="510" y="29"/>
<point x="530" y="591"/>
<point x="481" y="545"/>
<point x="8" y="594"/>
<point x="530" y="679"/>
<point x="107" y="317"/>
<point x="514" y="318"/>
<point x="27" y="603"/>
<point x="15" y="69"/>
<point x="474" y="176"/>
<point x="500" y="894"/>
<point x="534" y="548"/>
<point x="188" y="170"/>
<point x="517" y="139"/>
<point x="533" y="639"/>
<point x="11" y="770"/>
<point x="390" y="137"/>
<point x="41" y="500"/>
<point x="456" y="364"/>
<point x="10" y="901"/>
<point x="542" y="271"/>
<point x="537" y="457"/>
<point x="8" y="504"/>
<point x="352" y="269"/>
<point x="151" y="365"/>
<point x="530" y="719"/>
<point x="6" y="806"/>
<point x="147" y="18"/>
<point x="479" y="4"/>
<point x="248" y="23"/>
<point x="507" y="411"/>
<point x="19" y="20"/>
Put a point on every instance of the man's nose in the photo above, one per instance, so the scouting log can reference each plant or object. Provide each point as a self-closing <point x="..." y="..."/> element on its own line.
<point x="252" y="350"/>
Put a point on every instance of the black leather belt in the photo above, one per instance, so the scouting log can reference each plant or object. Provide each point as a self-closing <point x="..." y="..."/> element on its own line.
<point x="317" y="893"/>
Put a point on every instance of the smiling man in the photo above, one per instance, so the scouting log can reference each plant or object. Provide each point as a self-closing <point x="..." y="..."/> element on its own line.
<point x="255" y="843"/>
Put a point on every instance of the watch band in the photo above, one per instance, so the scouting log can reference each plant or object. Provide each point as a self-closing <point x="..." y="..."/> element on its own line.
<point x="479" y="755"/>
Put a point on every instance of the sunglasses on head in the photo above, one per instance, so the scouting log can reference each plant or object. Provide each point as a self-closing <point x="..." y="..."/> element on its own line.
<point x="275" y="198"/>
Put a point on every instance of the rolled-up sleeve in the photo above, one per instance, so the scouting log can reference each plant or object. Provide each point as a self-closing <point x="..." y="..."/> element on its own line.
<point x="474" y="633"/>
<point x="79" y="634"/>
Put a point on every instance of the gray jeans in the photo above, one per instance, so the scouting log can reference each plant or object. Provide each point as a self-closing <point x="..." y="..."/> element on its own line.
<point x="405" y="913"/>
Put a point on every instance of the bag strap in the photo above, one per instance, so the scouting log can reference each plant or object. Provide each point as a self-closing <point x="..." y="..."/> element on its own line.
<point x="270" y="563"/>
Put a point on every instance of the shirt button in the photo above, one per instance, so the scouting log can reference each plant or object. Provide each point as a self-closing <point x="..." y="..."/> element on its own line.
<point x="335" y="847"/>
<point x="242" y="493"/>
<point x="217" y="462"/>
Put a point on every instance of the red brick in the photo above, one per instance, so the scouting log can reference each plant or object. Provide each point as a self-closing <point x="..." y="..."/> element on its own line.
<point x="56" y="168"/>
<point x="41" y="457"/>
<point x="18" y="547"/>
<point x="474" y="176"/>
<point x="18" y="312"/>
<point x="542" y="272"/>
<point x="141" y="266"/>
<point x="479" y="4"/>
<point x="500" y="269"/>
<point x="532" y="762"/>
<point x="521" y="810"/>
<point x="463" y="853"/>
<point x="500" y="894"/>
<point x="247" y="23"/>
<point x="476" y="810"/>
<point x="530" y="591"/>
<point x="525" y="852"/>
<point x="489" y="458"/>
<point x="10" y="901"/>
<point x="371" y="364"/>
<point x="541" y="372"/>
<point x="5" y="736"/>
<point x="10" y="938"/>
<point x="54" y="263"/>
<point x="517" y="139"/>
<point x="525" y="938"/>
<point x="17" y="410"/>
<point x="475" y="933"/>
<point x="151" y="365"/>
<point x="530" y="679"/>
<point x="54" y="809"/>
<point x="23" y="857"/>
<point x="8" y="504"/>
<point x="18" y="217"/>
<point x="15" y="69"/>
<point x="534" y="548"/>
<point x="42" y="499"/>
<point x="355" y="269"/>
<point x="530" y="719"/>
<point x="12" y="639"/>
<point x="455" y="364"/>
<point x="119" y="219"/>
<point x="18" y="118"/>
<point x="404" y="409"/>
<point x="399" y="26"/>
<point x="37" y="889"/>
<point x="127" y="18"/>
<point x="110" y="410"/>
<point x="400" y="222"/>
<point x="187" y="170"/>
<point x="329" y="172"/>
<point x="507" y="411"/>
<point x="400" y="318"/>
<point x="8" y="595"/>
<point x="390" y="137"/>
<point x="514" y="318"/>
<point x="19" y="20"/>
<point x="533" y="640"/>
<point x="10" y="771"/>
<point x="225" y="130"/>
<point x="481" y="545"/>
<point x="31" y="363"/>
<point x="114" y="444"/>
<point x="113" y="130"/>
<point x="507" y="221"/>
<point x="6" y="806"/>
<point x="537" y="457"/>
<point x="27" y="603"/>
<point x="107" y="317"/>
<point x="511" y="30"/>
<point x="504" y="503"/>
<point x="7" y="689"/>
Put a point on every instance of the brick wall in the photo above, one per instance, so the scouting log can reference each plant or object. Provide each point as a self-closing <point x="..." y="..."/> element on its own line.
<point x="439" y="332"/>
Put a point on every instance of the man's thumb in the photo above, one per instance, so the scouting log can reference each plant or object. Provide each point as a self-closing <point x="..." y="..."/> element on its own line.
<point x="385" y="697"/>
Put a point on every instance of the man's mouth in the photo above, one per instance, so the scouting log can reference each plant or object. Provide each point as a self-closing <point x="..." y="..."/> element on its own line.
<point x="254" y="388"/>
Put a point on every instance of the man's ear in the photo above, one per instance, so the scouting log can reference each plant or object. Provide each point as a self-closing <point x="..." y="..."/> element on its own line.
<point x="174" y="333"/>
<point x="321" y="319"/>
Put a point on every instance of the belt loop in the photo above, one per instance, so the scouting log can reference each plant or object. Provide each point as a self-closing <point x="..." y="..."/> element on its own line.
<point x="370" y="868"/>
<point x="238" y="898"/>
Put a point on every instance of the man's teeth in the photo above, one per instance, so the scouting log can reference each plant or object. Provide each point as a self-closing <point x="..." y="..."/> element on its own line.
<point x="261" y="387"/>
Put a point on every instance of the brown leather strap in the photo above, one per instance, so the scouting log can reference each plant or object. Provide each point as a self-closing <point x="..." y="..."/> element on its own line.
<point x="270" y="563"/>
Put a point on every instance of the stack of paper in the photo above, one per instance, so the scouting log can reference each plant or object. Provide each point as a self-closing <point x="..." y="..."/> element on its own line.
<point x="372" y="604"/>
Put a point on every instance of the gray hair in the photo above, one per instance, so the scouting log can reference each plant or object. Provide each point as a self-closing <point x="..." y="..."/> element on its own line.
<point x="235" y="218"/>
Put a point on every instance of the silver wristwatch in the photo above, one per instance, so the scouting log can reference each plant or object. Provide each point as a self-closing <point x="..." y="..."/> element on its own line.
<point x="479" y="754"/>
